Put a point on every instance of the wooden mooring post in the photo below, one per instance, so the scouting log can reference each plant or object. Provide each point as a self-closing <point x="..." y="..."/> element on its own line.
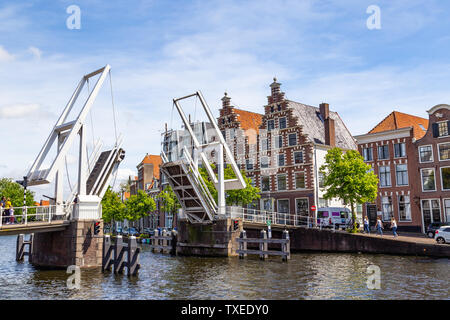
<point x="163" y="241"/>
<point x="20" y="247"/>
<point x="119" y="250"/>
<point x="264" y="242"/>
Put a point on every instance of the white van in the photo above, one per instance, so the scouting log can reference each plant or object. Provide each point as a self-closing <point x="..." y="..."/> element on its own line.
<point x="334" y="216"/>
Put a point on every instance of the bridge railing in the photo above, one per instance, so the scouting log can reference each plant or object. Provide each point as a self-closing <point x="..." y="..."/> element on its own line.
<point x="269" y="217"/>
<point x="25" y="215"/>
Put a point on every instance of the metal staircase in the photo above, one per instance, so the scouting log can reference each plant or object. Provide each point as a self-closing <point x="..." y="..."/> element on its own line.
<point x="196" y="201"/>
<point x="183" y="175"/>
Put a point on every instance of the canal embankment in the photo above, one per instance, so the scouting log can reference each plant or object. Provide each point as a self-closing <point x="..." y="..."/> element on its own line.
<point x="325" y="240"/>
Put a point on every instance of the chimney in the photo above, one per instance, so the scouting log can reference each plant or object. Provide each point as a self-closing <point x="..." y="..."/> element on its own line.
<point x="226" y="101"/>
<point x="324" y="110"/>
<point x="328" y="123"/>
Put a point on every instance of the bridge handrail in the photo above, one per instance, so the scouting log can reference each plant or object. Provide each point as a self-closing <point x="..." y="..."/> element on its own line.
<point x="26" y="214"/>
<point x="264" y="216"/>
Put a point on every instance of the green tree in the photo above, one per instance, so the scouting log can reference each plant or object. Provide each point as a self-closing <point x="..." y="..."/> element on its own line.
<point x="169" y="201"/>
<point x="139" y="206"/>
<point x="113" y="209"/>
<point x="233" y="197"/>
<point x="347" y="177"/>
<point x="14" y="191"/>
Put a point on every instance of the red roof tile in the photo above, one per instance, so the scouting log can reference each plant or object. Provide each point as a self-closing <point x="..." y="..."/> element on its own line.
<point x="398" y="120"/>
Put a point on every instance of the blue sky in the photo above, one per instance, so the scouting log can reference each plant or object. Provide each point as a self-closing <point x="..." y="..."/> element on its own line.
<point x="321" y="51"/>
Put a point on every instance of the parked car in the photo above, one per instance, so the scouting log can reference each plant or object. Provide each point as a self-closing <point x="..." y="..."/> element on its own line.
<point x="334" y="217"/>
<point x="132" y="232"/>
<point x="431" y="230"/>
<point x="442" y="234"/>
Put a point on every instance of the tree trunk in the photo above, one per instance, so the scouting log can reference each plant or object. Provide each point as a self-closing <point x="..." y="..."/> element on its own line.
<point x="353" y="216"/>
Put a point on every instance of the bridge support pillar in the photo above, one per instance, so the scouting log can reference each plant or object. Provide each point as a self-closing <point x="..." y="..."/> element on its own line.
<point x="76" y="245"/>
<point x="217" y="239"/>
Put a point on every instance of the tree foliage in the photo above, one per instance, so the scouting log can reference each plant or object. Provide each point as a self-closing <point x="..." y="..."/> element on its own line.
<point x="233" y="197"/>
<point x="14" y="191"/>
<point x="113" y="209"/>
<point x="139" y="206"/>
<point x="347" y="177"/>
<point x="169" y="201"/>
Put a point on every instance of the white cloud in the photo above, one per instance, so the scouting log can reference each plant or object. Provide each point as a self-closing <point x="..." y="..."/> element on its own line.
<point x="5" y="56"/>
<point x="18" y="111"/>
<point x="36" y="52"/>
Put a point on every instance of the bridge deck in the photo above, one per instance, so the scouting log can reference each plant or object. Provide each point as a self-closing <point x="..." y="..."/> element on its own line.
<point x="33" y="227"/>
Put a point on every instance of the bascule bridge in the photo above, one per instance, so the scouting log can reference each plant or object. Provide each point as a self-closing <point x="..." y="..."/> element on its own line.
<point x="69" y="231"/>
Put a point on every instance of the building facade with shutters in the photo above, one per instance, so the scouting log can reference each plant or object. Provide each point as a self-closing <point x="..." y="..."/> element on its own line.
<point x="282" y="150"/>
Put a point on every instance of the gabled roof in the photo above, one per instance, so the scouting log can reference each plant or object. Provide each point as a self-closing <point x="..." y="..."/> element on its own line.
<point x="398" y="120"/>
<point x="155" y="160"/>
<point x="313" y="125"/>
<point x="249" y="120"/>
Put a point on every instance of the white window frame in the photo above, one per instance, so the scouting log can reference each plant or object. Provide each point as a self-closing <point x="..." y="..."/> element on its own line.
<point x="262" y="183"/>
<point x="296" y="142"/>
<point x="407" y="175"/>
<point x="439" y="151"/>
<point x="303" y="159"/>
<point x="432" y="154"/>
<point x="278" y="184"/>
<point x="398" y="205"/>
<point x="401" y="143"/>
<point x="446" y="215"/>
<point x="388" y="152"/>
<point x="277" y="142"/>
<point x="279" y="122"/>
<point x="421" y="179"/>
<point x="390" y="176"/>
<point x="364" y="150"/>
<point x="442" y="180"/>
<point x="307" y="206"/>
<point x="448" y="133"/>
<point x="289" y="205"/>
<point x="284" y="160"/>
<point x="431" y="210"/>
<point x="268" y="162"/>
<point x="295" y="179"/>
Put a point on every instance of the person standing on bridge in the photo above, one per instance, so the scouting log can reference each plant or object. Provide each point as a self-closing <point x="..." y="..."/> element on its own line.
<point x="379" y="227"/>
<point x="8" y="209"/>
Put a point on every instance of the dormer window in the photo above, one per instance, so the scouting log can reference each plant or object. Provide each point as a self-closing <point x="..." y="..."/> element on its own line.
<point x="279" y="107"/>
<point x="271" y="109"/>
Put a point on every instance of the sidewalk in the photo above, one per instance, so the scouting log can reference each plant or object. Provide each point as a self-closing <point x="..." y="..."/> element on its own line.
<point x="406" y="236"/>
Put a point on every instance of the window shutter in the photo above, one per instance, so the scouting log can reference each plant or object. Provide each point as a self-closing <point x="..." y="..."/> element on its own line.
<point x="435" y="130"/>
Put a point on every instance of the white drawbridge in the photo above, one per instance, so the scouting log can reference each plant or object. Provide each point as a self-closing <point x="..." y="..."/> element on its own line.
<point x="184" y="177"/>
<point x="94" y="174"/>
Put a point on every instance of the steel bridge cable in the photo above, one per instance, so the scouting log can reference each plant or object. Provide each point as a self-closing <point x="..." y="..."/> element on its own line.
<point x="67" y="174"/>
<point x="112" y="102"/>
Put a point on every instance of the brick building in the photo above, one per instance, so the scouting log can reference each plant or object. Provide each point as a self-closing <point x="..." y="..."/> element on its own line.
<point x="390" y="149"/>
<point x="432" y="190"/>
<point x="283" y="149"/>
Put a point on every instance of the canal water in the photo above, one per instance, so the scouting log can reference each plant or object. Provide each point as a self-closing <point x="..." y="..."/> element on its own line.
<point x="306" y="276"/>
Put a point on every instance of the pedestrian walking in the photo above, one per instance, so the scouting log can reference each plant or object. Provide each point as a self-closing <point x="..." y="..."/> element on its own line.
<point x="394" y="227"/>
<point x="366" y="225"/>
<point x="379" y="227"/>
